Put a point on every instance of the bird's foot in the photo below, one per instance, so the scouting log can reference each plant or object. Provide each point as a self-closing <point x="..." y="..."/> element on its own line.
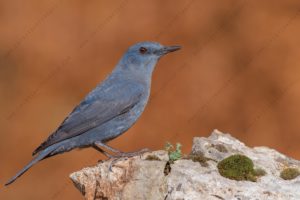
<point x="125" y="155"/>
<point x="131" y="154"/>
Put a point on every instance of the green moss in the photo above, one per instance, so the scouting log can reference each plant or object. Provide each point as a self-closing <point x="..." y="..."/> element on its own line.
<point x="199" y="157"/>
<point x="259" y="172"/>
<point x="174" y="153"/>
<point x="289" y="173"/>
<point x="152" y="157"/>
<point x="237" y="167"/>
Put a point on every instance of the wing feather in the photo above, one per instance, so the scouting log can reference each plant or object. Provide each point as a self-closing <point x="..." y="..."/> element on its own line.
<point x="90" y="114"/>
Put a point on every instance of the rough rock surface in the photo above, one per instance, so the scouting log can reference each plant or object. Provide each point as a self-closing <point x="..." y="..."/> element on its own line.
<point x="143" y="178"/>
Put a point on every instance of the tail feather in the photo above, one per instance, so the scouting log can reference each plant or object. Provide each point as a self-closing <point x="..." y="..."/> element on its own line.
<point x="39" y="157"/>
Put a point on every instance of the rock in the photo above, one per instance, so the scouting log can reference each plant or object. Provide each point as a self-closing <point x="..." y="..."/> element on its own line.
<point x="151" y="176"/>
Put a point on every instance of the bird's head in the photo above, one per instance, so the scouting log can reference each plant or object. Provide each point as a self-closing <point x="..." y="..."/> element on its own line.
<point x="141" y="58"/>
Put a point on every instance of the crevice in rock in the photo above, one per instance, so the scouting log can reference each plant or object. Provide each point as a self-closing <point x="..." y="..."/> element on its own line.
<point x="167" y="168"/>
<point x="217" y="196"/>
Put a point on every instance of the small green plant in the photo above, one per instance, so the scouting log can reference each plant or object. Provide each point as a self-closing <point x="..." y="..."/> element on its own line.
<point x="174" y="153"/>
<point x="289" y="173"/>
<point x="237" y="167"/>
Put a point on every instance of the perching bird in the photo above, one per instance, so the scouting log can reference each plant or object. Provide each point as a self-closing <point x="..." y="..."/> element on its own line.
<point x="110" y="109"/>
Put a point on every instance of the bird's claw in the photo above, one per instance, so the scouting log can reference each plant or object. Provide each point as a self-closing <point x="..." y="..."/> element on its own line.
<point x="125" y="155"/>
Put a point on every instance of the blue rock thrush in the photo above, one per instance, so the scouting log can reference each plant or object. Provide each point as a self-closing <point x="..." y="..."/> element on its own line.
<point x="110" y="109"/>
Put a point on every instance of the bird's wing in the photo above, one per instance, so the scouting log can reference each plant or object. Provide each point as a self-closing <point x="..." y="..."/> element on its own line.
<point x="91" y="114"/>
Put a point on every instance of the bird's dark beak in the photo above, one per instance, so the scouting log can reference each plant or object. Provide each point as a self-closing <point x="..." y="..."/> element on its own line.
<point x="168" y="49"/>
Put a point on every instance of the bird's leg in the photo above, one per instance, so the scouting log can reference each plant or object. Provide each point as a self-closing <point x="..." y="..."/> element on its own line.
<point x="120" y="154"/>
<point x="108" y="147"/>
<point x="102" y="151"/>
<point x="135" y="153"/>
<point x="125" y="156"/>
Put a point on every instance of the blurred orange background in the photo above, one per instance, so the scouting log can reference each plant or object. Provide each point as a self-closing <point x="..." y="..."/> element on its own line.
<point x="238" y="72"/>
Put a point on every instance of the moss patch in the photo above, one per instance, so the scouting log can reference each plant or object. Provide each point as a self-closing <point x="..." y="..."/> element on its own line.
<point x="198" y="157"/>
<point x="289" y="173"/>
<point x="152" y="157"/>
<point x="237" y="167"/>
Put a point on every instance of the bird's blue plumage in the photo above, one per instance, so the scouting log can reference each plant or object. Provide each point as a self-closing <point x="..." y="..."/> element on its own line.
<point x="111" y="108"/>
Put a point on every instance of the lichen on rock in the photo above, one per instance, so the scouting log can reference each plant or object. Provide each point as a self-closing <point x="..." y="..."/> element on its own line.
<point x="289" y="173"/>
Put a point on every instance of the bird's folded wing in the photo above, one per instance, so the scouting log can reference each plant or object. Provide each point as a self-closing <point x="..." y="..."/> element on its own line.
<point x="87" y="116"/>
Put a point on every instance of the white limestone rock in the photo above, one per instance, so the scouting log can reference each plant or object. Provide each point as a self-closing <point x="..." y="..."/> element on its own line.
<point x="147" y="177"/>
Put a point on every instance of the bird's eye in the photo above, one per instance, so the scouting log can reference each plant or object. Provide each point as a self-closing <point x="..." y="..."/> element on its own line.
<point x="143" y="50"/>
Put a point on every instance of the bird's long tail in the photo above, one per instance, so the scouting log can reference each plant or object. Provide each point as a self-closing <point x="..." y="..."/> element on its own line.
<point x="39" y="157"/>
